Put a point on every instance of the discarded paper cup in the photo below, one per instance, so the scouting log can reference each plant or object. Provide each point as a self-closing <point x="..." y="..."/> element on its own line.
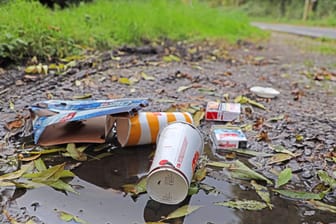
<point x="145" y="127"/>
<point x="178" y="148"/>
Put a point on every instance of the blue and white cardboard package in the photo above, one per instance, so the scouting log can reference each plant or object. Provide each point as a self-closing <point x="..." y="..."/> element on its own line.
<point x="86" y="121"/>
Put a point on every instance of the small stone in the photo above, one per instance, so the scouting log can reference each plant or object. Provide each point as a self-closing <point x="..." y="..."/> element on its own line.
<point x="294" y="166"/>
<point x="307" y="174"/>
<point x="307" y="152"/>
<point x="309" y="213"/>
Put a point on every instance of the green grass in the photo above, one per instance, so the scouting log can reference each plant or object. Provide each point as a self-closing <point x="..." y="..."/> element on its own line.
<point x="28" y="29"/>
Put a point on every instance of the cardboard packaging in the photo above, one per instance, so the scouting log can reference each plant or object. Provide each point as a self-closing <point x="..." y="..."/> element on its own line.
<point x="222" y="111"/>
<point x="227" y="137"/>
<point x="85" y="121"/>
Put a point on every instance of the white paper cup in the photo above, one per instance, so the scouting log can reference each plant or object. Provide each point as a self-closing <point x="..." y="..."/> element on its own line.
<point x="178" y="148"/>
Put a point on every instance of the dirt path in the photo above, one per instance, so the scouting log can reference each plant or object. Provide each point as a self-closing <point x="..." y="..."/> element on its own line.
<point x="305" y="106"/>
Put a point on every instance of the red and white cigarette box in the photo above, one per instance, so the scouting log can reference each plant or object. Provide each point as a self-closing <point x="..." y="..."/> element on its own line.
<point x="222" y="111"/>
<point x="224" y="137"/>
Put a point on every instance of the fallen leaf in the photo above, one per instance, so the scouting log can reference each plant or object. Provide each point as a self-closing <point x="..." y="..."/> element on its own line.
<point x="68" y="217"/>
<point x="263" y="136"/>
<point x="135" y="189"/>
<point x="246" y="100"/>
<point x="40" y="165"/>
<point x="85" y="96"/>
<point x="29" y="158"/>
<point x="244" y="204"/>
<point x="275" y="119"/>
<point x="279" y="157"/>
<point x="241" y="171"/>
<point x="300" y="194"/>
<point x="219" y="164"/>
<point x="283" y="178"/>
<point x="75" y="153"/>
<point x="17" y="174"/>
<point x="18" y="123"/>
<point x="198" y="116"/>
<point x="182" y="211"/>
<point x="171" y="58"/>
<point x="263" y="193"/>
<point x="322" y="206"/>
<point x="184" y="88"/>
<point x="147" y="77"/>
<point x="200" y="174"/>
<point x="326" y="179"/>
<point x="281" y="149"/>
<point x="125" y="81"/>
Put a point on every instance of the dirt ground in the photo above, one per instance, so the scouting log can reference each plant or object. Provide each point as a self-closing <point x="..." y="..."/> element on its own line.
<point x="305" y="107"/>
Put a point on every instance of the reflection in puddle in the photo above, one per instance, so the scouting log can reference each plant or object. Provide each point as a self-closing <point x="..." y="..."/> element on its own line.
<point x="100" y="202"/>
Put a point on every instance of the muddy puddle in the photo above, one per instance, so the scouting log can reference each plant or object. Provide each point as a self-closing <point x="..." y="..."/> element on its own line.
<point x="101" y="201"/>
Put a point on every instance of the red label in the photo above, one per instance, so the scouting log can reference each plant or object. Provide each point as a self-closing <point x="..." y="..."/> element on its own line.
<point x="228" y="145"/>
<point x="182" y="152"/>
<point x="223" y="135"/>
<point x="163" y="162"/>
<point x="195" y="159"/>
<point x="67" y="117"/>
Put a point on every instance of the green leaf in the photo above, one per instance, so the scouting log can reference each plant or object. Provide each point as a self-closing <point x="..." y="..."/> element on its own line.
<point x="184" y="88"/>
<point x="279" y="157"/>
<point x="198" y="116"/>
<point x="274" y="119"/>
<point x="17" y="174"/>
<point x="200" y="174"/>
<point x="171" y="58"/>
<point x="136" y="189"/>
<point x="85" y="96"/>
<point x="147" y="77"/>
<point x="45" y="175"/>
<point x="326" y="179"/>
<point x="244" y="204"/>
<point x="263" y="193"/>
<point x="284" y="177"/>
<point x="250" y="152"/>
<point x="125" y="81"/>
<point x="300" y="194"/>
<point x="219" y="164"/>
<point x="322" y="206"/>
<point x="281" y="149"/>
<point x="182" y="211"/>
<point x="68" y="217"/>
<point x="48" y="151"/>
<point x="241" y="171"/>
<point x="193" y="189"/>
<point x="76" y="153"/>
<point x="60" y="185"/>
<point x="246" y="100"/>
<point x="39" y="165"/>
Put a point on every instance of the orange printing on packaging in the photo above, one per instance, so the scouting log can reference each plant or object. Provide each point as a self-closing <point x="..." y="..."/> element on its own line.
<point x="145" y="127"/>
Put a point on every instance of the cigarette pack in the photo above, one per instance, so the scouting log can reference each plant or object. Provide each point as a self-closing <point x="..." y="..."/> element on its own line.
<point x="222" y="111"/>
<point x="227" y="137"/>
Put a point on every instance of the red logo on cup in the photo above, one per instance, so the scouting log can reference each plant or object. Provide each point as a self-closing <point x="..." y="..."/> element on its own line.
<point x="163" y="162"/>
<point x="194" y="161"/>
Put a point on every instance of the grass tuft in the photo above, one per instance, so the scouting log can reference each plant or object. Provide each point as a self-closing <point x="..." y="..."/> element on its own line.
<point x="29" y="29"/>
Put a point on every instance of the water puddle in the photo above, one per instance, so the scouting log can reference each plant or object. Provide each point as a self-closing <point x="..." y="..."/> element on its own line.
<point x="100" y="200"/>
